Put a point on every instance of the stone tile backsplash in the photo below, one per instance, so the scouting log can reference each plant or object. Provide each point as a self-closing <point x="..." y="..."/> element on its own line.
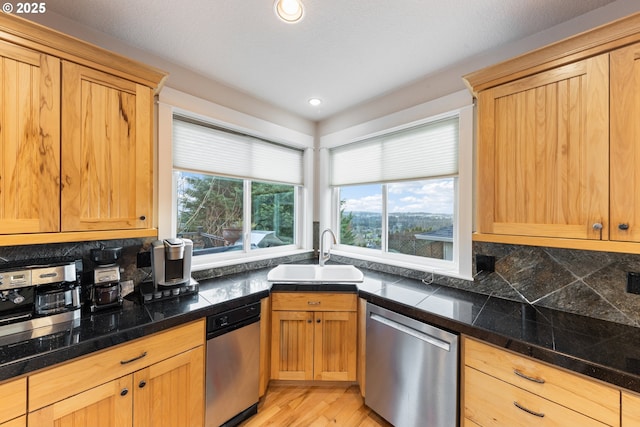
<point x="582" y="282"/>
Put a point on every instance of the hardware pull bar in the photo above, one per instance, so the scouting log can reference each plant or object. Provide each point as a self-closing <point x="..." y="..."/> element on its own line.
<point x="410" y="331"/>
<point x="527" y="377"/>
<point x="528" y="411"/>
<point x="124" y="362"/>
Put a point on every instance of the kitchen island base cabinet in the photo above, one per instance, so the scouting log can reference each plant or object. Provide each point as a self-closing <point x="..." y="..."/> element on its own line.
<point x="314" y="336"/>
<point x="154" y="381"/>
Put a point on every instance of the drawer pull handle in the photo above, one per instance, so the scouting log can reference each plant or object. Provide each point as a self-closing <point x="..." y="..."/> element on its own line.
<point x="124" y="362"/>
<point x="528" y="411"/>
<point x="526" y="377"/>
<point x="313" y="302"/>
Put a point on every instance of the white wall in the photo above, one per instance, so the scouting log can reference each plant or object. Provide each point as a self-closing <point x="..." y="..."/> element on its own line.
<point x="450" y="80"/>
<point x="181" y="78"/>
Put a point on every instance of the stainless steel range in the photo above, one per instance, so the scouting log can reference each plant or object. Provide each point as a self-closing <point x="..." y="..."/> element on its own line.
<point x="38" y="293"/>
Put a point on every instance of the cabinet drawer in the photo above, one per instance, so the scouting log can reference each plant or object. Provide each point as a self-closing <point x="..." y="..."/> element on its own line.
<point x="490" y="402"/>
<point x="59" y="382"/>
<point x="313" y="301"/>
<point x="583" y="395"/>
<point x="13" y="395"/>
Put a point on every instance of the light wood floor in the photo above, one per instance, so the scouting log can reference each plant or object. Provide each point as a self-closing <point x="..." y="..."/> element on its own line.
<point x="314" y="406"/>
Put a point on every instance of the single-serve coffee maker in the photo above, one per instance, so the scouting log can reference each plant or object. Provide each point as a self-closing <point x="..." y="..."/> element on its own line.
<point x="171" y="270"/>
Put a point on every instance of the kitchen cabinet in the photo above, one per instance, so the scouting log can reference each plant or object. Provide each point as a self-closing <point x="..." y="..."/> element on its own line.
<point x="265" y="345"/>
<point x="313" y="336"/>
<point x="13" y="395"/>
<point x="108" y="151"/>
<point x="625" y="150"/>
<point x="501" y="388"/>
<point x="29" y="141"/>
<point x="153" y="381"/>
<point x="543" y="151"/>
<point x="362" y="345"/>
<point x="556" y="152"/>
<point x="96" y="185"/>
<point x="630" y="409"/>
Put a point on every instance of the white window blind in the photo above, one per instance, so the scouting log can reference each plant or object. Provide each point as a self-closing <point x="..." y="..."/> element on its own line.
<point x="424" y="151"/>
<point x="201" y="148"/>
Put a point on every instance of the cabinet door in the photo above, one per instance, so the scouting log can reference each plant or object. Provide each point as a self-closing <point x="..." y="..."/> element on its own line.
<point x="29" y="141"/>
<point x="171" y="392"/>
<point x="107" y="405"/>
<point x="625" y="149"/>
<point x="13" y="398"/>
<point x="335" y="346"/>
<point x="630" y="409"/>
<point x="543" y="167"/>
<point x="292" y="345"/>
<point x="107" y="151"/>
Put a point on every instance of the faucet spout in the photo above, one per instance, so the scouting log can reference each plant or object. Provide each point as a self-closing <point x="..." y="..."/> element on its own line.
<point x="323" y="258"/>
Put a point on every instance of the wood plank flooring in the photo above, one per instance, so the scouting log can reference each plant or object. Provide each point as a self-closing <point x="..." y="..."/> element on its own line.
<point x="287" y="405"/>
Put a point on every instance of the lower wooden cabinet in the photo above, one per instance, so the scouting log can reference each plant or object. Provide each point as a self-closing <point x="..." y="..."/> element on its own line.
<point x="319" y="343"/>
<point x="13" y="399"/>
<point x="164" y="391"/>
<point x="630" y="409"/>
<point x="502" y="388"/>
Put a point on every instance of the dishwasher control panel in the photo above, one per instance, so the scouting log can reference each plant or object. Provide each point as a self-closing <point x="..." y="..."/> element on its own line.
<point x="233" y="318"/>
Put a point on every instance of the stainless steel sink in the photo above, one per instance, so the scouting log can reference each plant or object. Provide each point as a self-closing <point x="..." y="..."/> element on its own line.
<point x="316" y="274"/>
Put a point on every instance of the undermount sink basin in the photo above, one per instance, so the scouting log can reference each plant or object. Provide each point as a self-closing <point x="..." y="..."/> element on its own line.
<point x="311" y="273"/>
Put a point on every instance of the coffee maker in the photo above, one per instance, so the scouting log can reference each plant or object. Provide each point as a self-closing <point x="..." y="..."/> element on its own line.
<point x="171" y="270"/>
<point x="106" y="290"/>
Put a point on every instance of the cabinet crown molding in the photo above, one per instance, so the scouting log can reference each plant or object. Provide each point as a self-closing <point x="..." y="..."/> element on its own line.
<point x="32" y="35"/>
<point x="592" y="42"/>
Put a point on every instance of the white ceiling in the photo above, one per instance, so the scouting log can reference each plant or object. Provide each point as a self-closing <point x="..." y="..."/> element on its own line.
<point x="343" y="51"/>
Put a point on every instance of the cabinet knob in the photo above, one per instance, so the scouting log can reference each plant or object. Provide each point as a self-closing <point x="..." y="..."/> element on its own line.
<point x="623" y="227"/>
<point x="142" y="383"/>
<point x="318" y="321"/>
<point x="597" y="226"/>
<point x="143" y="217"/>
<point x="309" y="321"/>
<point x="124" y="392"/>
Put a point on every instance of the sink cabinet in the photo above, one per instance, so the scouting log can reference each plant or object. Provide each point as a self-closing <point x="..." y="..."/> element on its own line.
<point x="153" y="381"/>
<point x="313" y="336"/>
<point x="96" y="185"/>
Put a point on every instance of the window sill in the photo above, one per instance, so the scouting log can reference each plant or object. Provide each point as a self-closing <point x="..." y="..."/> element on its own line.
<point x="205" y="262"/>
<point x="449" y="271"/>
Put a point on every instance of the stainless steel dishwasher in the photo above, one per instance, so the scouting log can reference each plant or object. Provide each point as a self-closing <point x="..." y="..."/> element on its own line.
<point x="411" y="371"/>
<point x="233" y="366"/>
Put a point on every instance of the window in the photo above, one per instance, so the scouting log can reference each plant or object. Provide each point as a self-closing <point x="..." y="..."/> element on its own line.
<point x="234" y="193"/>
<point x="397" y="196"/>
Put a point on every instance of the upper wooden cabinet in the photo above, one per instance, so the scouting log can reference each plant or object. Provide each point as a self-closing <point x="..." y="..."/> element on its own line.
<point x="29" y="141"/>
<point x="542" y="153"/>
<point x="625" y="146"/>
<point x="557" y="152"/>
<point x="107" y="151"/>
<point x="76" y="133"/>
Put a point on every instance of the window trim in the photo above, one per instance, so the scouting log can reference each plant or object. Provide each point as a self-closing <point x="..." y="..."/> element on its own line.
<point x="458" y="104"/>
<point x="172" y="102"/>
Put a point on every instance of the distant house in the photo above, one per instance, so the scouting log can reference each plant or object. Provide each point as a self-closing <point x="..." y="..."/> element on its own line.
<point x="439" y="243"/>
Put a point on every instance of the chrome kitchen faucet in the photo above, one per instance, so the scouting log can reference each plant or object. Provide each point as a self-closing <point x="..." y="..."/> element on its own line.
<point x="323" y="258"/>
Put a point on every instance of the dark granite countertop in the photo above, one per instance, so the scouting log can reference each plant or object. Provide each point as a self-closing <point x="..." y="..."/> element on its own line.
<point x="599" y="349"/>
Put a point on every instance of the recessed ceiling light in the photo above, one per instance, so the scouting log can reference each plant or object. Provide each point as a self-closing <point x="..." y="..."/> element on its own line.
<point x="315" y="101"/>
<point x="288" y="10"/>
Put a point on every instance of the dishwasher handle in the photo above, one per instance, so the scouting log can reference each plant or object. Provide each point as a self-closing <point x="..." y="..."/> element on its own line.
<point x="412" y="332"/>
